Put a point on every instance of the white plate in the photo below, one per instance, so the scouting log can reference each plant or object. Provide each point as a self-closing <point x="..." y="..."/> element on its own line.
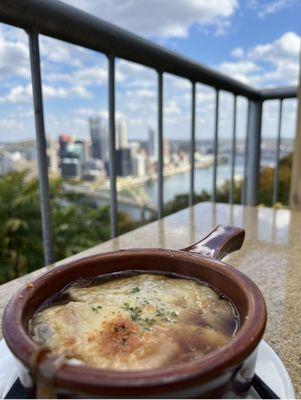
<point x="269" y="368"/>
<point x="272" y="371"/>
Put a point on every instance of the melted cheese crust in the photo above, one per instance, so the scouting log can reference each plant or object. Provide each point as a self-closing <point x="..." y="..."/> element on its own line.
<point x="136" y="323"/>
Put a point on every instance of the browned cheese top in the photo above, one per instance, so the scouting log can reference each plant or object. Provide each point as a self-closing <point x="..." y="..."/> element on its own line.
<point x="136" y="323"/>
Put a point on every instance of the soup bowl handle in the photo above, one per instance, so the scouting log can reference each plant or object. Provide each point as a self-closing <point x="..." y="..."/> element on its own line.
<point x="219" y="242"/>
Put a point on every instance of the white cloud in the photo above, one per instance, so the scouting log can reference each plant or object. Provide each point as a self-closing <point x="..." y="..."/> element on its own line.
<point x="165" y="19"/>
<point x="23" y="93"/>
<point x="14" y="57"/>
<point x="60" y="52"/>
<point x="136" y="121"/>
<point x="171" y="108"/>
<point x="88" y="112"/>
<point x="264" y="8"/>
<point x="9" y="125"/>
<point x="269" y="64"/>
<point x="91" y="75"/>
<point x="286" y="47"/>
<point x="76" y="91"/>
<point x="238" y="52"/>
<point x="56" y="124"/>
<point x="239" y="70"/>
<point x="22" y="112"/>
<point x="18" y="94"/>
<point x="178" y="83"/>
<point x="141" y="93"/>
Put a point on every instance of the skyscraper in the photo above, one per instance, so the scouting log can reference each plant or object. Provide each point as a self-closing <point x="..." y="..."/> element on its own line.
<point x="122" y="136"/>
<point x="166" y="151"/>
<point x="138" y="164"/>
<point x="71" y="168"/>
<point x="152" y="143"/>
<point x="99" y="139"/>
<point x="123" y="162"/>
<point x="84" y="145"/>
<point x="52" y="156"/>
<point x="64" y="141"/>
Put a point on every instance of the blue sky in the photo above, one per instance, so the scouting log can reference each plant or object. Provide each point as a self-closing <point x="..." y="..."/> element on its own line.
<point x="256" y="42"/>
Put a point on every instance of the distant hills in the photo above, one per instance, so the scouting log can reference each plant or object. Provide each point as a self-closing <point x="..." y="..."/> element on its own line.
<point x="19" y="146"/>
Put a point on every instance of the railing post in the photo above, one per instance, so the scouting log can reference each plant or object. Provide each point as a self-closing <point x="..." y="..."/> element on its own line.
<point x="215" y="145"/>
<point x="112" y="148"/>
<point x="295" y="189"/>
<point x="233" y="154"/>
<point x="160" y="145"/>
<point x="41" y="147"/>
<point x="278" y="144"/>
<point x="192" y="146"/>
<point x="253" y="152"/>
<point x="244" y="183"/>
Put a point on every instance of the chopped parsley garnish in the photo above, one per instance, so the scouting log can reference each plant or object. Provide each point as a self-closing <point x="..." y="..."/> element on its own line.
<point x="149" y="321"/>
<point x="135" y="313"/>
<point x="159" y="313"/>
<point x="135" y="290"/>
<point x="96" y="309"/>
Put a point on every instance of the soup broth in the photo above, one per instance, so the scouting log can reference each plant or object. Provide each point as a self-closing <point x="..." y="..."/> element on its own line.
<point x="138" y="322"/>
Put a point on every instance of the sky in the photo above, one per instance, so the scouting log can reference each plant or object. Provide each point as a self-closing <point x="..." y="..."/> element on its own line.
<point x="256" y="42"/>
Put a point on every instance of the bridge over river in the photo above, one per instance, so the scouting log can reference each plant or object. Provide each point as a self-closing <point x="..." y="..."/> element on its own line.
<point x="131" y="197"/>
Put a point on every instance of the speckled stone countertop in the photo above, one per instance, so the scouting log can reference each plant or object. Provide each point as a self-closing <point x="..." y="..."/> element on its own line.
<point x="271" y="256"/>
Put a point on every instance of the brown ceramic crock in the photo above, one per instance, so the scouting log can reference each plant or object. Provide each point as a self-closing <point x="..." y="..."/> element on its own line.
<point x="226" y="372"/>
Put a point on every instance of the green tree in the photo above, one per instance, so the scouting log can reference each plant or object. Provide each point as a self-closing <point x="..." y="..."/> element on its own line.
<point x="77" y="224"/>
<point x="20" y="227"/>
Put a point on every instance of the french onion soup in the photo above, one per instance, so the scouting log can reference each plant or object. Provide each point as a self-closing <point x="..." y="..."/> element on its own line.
<point x="135" y="322"/>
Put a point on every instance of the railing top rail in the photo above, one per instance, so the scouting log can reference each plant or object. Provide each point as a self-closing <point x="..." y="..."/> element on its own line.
<point x="288" y="92"/>
<point x="61" y="21"/>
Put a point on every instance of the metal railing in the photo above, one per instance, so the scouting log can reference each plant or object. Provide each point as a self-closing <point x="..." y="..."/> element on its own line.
<point x="61" y="21"/>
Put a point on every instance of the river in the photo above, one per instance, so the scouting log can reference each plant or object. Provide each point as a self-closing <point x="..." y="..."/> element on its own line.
<point x="179" y="184"/>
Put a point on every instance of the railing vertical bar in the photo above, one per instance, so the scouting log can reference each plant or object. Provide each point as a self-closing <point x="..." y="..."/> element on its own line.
<point x="112" y="148"/>
<point x="160" y="145"/>
<point x="253" y="153"/>
<point x="276" y="175"/>
<point x="41" y="146"/>
<point x="233" y="155"/>
<point x="244" y="184"/>
<point x="215" y="145"/>
<point x="192" y="146"/>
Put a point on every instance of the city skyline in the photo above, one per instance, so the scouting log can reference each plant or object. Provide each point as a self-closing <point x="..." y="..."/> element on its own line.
<point x="221" y="36"/>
